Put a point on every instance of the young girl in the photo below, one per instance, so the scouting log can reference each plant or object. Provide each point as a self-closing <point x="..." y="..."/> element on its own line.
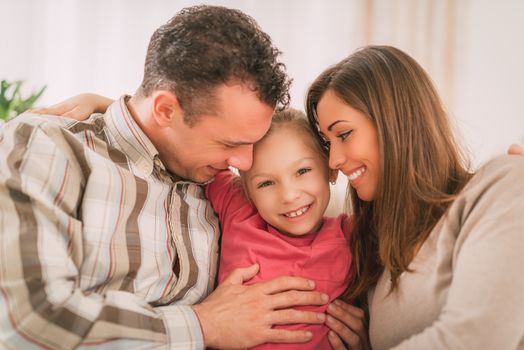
<point x="273" y="215"/>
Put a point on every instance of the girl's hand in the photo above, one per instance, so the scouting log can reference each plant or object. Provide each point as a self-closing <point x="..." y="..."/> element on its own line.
<point x="78" y="107"/>
<point x="516" y="150"/>
<point x="348" y="327"/>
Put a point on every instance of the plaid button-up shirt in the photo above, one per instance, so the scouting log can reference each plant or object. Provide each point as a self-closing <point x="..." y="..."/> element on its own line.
<point x="99" y="245"/>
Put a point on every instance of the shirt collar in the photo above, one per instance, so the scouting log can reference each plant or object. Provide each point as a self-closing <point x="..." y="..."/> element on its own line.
<point x="130" y="138"/>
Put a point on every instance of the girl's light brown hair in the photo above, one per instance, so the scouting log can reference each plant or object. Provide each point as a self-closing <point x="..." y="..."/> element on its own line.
<point x="422" y="169"/>
<point x="296" y="121"/>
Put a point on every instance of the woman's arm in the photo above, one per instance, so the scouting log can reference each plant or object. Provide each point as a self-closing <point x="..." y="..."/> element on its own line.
<point x="78" y="107"/>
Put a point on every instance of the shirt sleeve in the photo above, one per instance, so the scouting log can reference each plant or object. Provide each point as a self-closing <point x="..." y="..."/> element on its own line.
<point x="41" y="300"/>
<point x="225" y="194"/>
<point x="485" y="304"/>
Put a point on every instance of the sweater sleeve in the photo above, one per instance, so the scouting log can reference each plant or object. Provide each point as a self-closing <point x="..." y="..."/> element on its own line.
<point x="485" y="303"/>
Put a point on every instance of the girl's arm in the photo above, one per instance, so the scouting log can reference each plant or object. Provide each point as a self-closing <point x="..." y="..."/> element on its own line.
<point x="78" y="107"/>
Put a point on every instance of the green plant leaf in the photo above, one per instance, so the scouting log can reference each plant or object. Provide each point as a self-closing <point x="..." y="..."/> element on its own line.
<point x="11" y="101"/>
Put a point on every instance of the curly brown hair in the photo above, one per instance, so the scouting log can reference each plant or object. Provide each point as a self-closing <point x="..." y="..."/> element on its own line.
<point x="205" y="46"/>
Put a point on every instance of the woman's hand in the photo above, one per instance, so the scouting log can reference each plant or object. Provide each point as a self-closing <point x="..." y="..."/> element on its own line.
<point x="348" y="327"/>
<point x="78" y="107"/>
<point x="516" y="150"/>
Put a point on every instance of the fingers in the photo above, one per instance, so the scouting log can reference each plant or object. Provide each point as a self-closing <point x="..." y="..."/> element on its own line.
<point x="353" y="310"/>
<point x="346" y="334"/>
<point x="286" y="336"/>
<point x="73" y="114"/>
<point x="241" y="275"/>
<point x="335" y="341"/>
<point x="291" y="316"/>
<point x="516" y="150"/>
<point x="296" y="297"/>
<point x="285" y="283"/>
<point x="56" y="109"/>
<point x="349" y="315"/>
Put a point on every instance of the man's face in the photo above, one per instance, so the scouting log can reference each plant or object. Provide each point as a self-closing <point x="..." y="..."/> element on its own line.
<point x="221" y="139"/>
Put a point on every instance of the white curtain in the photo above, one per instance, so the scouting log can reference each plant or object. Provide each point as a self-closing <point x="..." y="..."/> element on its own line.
<point x="472" y="49"/>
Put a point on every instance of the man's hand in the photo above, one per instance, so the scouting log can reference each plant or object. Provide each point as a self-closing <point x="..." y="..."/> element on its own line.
<point x="237" y="316"/>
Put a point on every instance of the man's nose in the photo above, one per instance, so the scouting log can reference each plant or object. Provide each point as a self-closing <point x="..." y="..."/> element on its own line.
<point x="242" y="159"/>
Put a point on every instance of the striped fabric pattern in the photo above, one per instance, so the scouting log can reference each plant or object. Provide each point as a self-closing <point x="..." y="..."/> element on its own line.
<point x="100" y="246"/>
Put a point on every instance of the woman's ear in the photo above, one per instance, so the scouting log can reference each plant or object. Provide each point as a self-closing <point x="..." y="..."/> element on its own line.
<point x="333" y="174"/>
<point x="166" y="108"/>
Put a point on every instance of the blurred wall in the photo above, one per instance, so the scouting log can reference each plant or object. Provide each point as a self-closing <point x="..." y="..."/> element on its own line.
<point x="474" y="50"/>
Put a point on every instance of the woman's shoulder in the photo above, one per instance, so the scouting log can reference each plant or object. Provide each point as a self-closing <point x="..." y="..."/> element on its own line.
<point x="497" y="187"/>
<point x="505" y="172"/>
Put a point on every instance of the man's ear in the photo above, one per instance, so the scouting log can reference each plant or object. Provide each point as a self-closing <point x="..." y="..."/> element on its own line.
<point x="166" y="108"/>
<point x="333" y="174"/>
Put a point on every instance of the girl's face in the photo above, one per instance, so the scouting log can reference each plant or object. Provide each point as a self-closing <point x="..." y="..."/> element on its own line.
<point x="353" y="141"/>
<point x="288" y="182"/>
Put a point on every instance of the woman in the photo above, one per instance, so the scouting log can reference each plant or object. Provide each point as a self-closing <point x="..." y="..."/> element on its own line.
<point x="437" y="249"/>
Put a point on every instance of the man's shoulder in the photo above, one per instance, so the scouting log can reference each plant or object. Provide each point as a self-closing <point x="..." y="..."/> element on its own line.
<point x="56" y="127"/>
<point x="38" y="121"/>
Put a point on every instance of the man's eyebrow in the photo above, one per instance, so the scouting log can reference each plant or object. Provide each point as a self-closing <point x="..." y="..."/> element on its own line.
<point x="330" y="127"/>
<point x="237" y="143"/>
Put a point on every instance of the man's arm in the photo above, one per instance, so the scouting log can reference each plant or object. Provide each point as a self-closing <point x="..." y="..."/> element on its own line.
<point x="41" y="253"/>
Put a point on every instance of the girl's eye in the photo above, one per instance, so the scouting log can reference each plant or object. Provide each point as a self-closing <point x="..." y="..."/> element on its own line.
<point x="302" y="171"/>
<point x="344" y="135"/>
<point x="264" y="184"/>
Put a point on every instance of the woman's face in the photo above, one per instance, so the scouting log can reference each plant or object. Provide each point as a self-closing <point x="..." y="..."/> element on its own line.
<point x="353" y="141"/>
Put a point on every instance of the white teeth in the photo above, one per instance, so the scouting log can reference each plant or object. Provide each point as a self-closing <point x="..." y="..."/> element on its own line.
<point x="299" y="212"/>
<point x="353" y="176"/>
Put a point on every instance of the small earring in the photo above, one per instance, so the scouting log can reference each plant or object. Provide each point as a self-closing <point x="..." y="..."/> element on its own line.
<point x="334" y="182"/>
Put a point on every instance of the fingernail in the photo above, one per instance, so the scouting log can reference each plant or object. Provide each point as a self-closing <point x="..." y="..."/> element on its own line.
<point x="321" y="317"/>
<point x="331" y="334"/>
<point x="325" y="298"/>
<point x="336" y="302"/>
<point x="308" y="335"/>
<point x="331" y="307"/>
<point x="311" y="284"/>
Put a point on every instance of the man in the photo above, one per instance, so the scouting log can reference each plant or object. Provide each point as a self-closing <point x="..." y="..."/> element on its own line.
<point x="106" y="238"/>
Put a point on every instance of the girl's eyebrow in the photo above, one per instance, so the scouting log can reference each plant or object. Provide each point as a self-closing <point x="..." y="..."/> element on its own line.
<point x="296" y="162"/>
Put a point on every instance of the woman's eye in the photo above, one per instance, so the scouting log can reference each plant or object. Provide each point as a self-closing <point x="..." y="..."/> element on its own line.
<point x="344" y="135"/>
<point x="302" y="171"/>
<point x="264" y="184"/>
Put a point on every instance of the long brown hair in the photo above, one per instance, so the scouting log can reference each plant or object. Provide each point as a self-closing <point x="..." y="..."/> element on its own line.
<point x="422" y="167"/>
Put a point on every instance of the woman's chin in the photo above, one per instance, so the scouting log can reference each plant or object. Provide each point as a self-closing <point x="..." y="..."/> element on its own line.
<point x="366" y="196"/>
